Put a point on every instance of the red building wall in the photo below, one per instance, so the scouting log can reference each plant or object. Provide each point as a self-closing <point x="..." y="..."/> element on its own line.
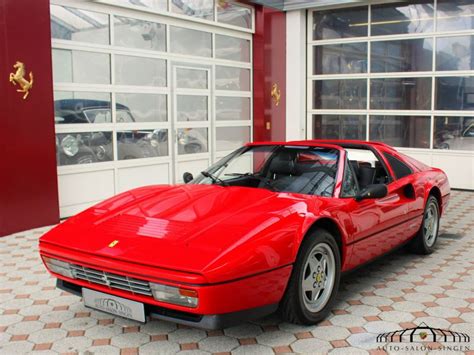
<point x="269" y="60"/>
<point x="28" y="182"/>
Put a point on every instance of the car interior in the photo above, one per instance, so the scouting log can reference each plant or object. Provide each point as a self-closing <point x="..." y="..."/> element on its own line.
<point x="367" y="167"/>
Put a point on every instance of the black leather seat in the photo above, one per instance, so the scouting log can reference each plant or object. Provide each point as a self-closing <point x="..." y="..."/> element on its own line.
<point x="366" y="176"/>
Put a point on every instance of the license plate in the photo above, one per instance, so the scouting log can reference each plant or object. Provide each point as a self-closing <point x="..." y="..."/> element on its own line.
<point x="115" y="305"/>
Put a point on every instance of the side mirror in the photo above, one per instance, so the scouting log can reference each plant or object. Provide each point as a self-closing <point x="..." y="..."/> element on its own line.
<point x="372" y="191"/>
<point x="187" y="177"/>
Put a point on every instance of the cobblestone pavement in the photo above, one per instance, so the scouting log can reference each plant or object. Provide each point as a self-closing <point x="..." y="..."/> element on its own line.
<point x="401" y="290"/>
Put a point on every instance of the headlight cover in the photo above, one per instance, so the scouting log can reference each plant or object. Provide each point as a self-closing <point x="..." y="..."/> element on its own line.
<point x="70" y="145"/>
<point x="58" y="267"/>
<point x="175" y="295"/>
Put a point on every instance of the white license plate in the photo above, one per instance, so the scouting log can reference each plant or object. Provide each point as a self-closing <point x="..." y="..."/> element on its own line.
<point x="115" y="305"/>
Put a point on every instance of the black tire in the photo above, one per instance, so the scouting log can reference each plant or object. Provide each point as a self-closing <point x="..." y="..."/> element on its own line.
<point x="421" y="243"/>
<point x="293" y="307"/>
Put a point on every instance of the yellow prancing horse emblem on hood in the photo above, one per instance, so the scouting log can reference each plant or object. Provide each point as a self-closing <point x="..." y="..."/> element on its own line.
<point x="114" y="243"/>
<point x="18" y="77"/>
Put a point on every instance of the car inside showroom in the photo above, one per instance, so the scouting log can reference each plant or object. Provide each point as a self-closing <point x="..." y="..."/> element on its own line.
<point x="253" y="176"/>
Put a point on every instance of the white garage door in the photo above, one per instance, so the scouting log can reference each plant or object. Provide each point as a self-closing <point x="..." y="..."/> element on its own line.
<point x="144" y="91"/>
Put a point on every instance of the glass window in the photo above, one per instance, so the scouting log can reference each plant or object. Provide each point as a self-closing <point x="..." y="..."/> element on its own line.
<point x="402" y="55"/>
<point x="230" y="138"/>
<point x="455" y="53"/>
<point x="455" y="15"/>
<point x="230" y="78"/>
<point x="83" y="148"/>
<point x="340" y="23"/>
<point x="232" y="108"/>
<point x="139" y="144"/>
<point x="413" y="17"/>
<point x="339" y="127"/>
<point x="400" y="94"/>
<point x="456" y="133"/>
<point x="192" y="108"/>
<point x="190" y="42"/>
<point x="345" y="58"/>
<point x="130" y="70"/>
<point x="349" y="182"/>
<point x="455" y="93"/>
<point x="141" y="107"/>
<point x="340" y="94"/>
<point x="160" y="5"/>
<point x="71" y="66"/>
<point x="82" y="107"/>
<point x="134" y="33"/>
<point x="399" y="168"/>
<point x="234" y="14"/>
<point x="196" y="8"/>
<point x="401" y="131"/>
<point x="192" y="140"/>
<point x="232" y="48"/>
<point x="79" y="25"/>
<point x="191" y="78"/>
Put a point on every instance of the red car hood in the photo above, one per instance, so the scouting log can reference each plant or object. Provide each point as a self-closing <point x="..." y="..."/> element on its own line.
<point x="191" y="228"/>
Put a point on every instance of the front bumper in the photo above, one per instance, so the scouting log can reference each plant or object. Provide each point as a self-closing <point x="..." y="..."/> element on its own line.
<point x="208" y="321"/>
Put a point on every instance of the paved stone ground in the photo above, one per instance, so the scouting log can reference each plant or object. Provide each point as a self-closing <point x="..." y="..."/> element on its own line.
<point x="401" y="290"/>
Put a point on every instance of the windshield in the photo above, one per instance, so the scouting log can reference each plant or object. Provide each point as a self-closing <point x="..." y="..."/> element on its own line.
<point x="297" y="169"/>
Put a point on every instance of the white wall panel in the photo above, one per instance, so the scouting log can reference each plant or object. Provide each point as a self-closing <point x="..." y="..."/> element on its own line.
<point x="131" y="177"/>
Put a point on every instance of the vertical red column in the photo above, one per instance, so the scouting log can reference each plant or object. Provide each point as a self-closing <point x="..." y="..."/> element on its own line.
<point x="28" y="180"/>
<point x="269" y="68"/>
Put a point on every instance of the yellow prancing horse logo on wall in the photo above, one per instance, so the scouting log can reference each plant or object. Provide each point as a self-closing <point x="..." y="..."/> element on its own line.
<point x="114" y="243"/>
<point x="18" y="77"/>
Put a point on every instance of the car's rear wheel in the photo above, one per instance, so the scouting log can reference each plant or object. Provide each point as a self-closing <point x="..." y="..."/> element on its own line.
<point x="314" y="282"/>
<point x="426" y="238"/>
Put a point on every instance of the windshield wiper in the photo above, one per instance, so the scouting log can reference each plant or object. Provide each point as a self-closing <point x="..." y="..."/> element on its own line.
<point x="265" y="180"/>
<point x="215" y="179"/>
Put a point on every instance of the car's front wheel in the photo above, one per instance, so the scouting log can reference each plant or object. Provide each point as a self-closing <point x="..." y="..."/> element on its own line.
<point x="314" y="282"/>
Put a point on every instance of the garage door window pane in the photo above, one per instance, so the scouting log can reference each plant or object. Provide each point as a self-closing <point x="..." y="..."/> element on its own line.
<point x="79" y="25"/>
<point x="81" y="67"/>
<point x="192" y="108"/>
<point x="232" y="108"/>
<point x="230" y="138"/>
<point x="455" y="53"/>
<point x="401" y="131"/>
<point x="400" y="94"/>
<point x="140" y="108"/>
<point x="134" y="33"/>
<point x="339" y="127"/>
<point x="340" y="59"/>
<point x="82" y="107"/>
<point x="389" y="19"/>
<point x="83" y="148"/>
<point x="160" y="5"/>
<point x="140" y="71"/>
<point x="340" y="23"/>
<point x="233" y="14"/>
<point x="232" y="48"/>
<point x="201" y="9"/>
<point x="402" y="56"/>
<point x="192" y="140"/>
<point x="190" y="42"/>
<point x="229" y="78"/>
<point x="455" y="15"/>
<point x="455" y="133"/>
<point x="455" y="93"/>
<point x="191" y="78"/>
<point x="340" y="94"/>
<point x="140" y="144"/>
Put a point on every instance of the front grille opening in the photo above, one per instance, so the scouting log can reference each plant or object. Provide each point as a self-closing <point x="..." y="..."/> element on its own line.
<point x="190" y="317"/>
<point x="113" y="281"/>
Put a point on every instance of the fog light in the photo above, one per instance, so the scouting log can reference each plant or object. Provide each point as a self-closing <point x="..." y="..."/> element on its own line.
<point x="58" y="267"/>
<point x="175" y="295"/>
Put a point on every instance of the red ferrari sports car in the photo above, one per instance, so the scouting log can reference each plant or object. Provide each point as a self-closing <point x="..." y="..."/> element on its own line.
<point x="271" y="226"/>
